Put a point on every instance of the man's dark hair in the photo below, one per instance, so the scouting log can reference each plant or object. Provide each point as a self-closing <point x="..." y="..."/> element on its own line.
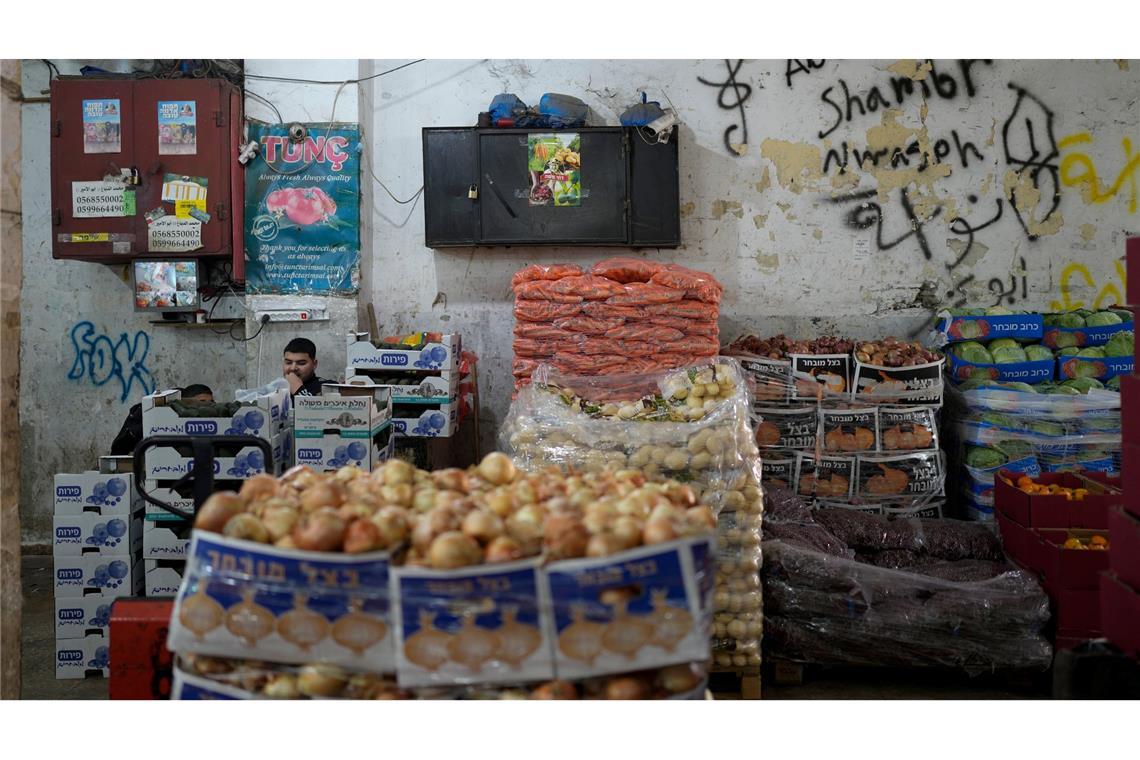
<point x="197" y="389"/>
<point x="301" y="346"/>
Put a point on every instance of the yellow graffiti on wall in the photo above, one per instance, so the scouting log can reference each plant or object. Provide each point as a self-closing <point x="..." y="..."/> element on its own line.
<point x="1107" y="295"/>
<point x="1078" y="170"/>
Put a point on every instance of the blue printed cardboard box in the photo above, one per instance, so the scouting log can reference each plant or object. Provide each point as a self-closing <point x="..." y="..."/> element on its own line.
<point x="83" y="657"/>
<point x="76" y="617"/>
<point x="442" y="357"/>
<point x="95" y="533"/>
<point x="190" y="687"/>
<point x="487" y="624"/>
<point x="325" y="452"/>
<point x="264" y="418"/>
<point x="1017" y="326"/>
<point x="1102" y="369"/>
<point x="168" y="463"/>
<point x="1023" y="372"/>
<point x="644" y="608"/>
<point x="95" y="575"/>
<point x="243" y="599"/>
<point x="111" y="494"/>
<point x="1081" y="337"/>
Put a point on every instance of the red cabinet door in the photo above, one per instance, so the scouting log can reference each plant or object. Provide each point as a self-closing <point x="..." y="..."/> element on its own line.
<point x="91" y="137"/>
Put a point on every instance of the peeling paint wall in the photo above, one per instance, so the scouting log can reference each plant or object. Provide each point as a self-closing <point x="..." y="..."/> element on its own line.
<point x="856" y="196"/>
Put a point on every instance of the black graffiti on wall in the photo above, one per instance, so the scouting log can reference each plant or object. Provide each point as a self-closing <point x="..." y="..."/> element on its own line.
<point x="868" y="214"/>
<point x="1033" y="151"/>
<point x="805" y="66"/>
<point x="740" y="93"/>
<point x="902" y="155"/>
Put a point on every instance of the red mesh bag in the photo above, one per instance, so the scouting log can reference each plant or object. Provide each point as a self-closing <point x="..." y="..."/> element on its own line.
<point x="677" y="323"/>
<point x="524" y="367"/>
<point x="674" y="361"/>
<point x="587" y="286"/>
<point x="588" y="325"/>
<point x="596" y="346"/>
<point x="688" y="308"/>
<point x="545" y="272"/>
<point x="544" y="311"/>
<point x="539" y="331"/>
<point x="626" y="269"/>
<point x="694" y="346"/>
<point x="645" y="332"/>
<point x="544" y="290"/>
<point x="607" y="311"/>
<point x="578" y="364"/>
<point x="535" y="349"/>
<point x="704" y="330"/>
<point x="645" y="294"/>
<point x="698" y="285"/>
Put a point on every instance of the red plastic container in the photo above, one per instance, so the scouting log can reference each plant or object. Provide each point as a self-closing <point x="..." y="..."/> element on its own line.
<point x="1034" y="511"/>
<point x="1130" y="476"/>
<point x="1124" y="558"/>
<point x="1078" y="612"/>
<point x="1070" y="569"/>
<point x="1120" y="607"/>
<point x="141" y="665"/>
<point x="1021" y="544"/>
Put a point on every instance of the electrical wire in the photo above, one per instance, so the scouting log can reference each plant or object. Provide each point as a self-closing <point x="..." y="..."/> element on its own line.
<point x="335" y="81"/>
<point x="268" y="102"/>
<point x="52" y="68"/>
<point x="368" y="164"/>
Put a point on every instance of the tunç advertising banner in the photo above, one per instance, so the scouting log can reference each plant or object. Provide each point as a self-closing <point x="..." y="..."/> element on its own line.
<point x="302" y="211"/>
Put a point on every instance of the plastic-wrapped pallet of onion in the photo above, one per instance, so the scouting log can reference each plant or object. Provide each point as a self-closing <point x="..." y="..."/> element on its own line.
<point x="500" y="579"/>
<point x="738" y="622"/>
<point x="690" y="424"/>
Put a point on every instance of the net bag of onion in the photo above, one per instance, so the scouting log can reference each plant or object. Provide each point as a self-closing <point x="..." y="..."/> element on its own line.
<point x="486" y="580"/>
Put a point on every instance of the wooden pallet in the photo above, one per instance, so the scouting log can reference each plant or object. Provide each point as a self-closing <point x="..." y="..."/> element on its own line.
<point x="735" y="683"/>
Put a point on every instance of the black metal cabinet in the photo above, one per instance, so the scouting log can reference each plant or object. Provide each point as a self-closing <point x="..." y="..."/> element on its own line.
<point x="477" y="188"/>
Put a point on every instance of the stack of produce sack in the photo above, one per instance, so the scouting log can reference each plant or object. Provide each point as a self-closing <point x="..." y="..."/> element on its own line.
<point x="848" y="423"/>
<point x="845" y="587"/>
<point x="1044" y="397"/>
<point x="689" y="424"/>
<point x="478" y="583"/>
<point x="622" y="316"/>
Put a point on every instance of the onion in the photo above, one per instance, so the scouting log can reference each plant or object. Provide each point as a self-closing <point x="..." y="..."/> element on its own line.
<point x="262" y="486"/>
<point x="503" y="549"/>
<point x="526" y="525"/>
<point x="285" y="542"/>
<point x="364" y="491"/>
<point x="279" y="521"/>
<point x="483" y="525"/>
<point x="423" y="499"/>
<point x="565" y="537"/>
<point x="604" y="544"/>
<point x="282" y="686"/>
<point x="326" y="493"/>
<point x="665" y="511"/>
<point x="555" y="690"/>
<point x="401" y="495"/>
<point x="701" y="517"/>
<point x="447" y="498"/>
<point x="658" y="532"/>
<point x="737" y="629"/>
<point x="678" y="679"/>
<point x="392" y="523"/>
<point x="217" y="511"/>
<point x="346" y="475"/>
<point x="396" y="472"/>
<point x="246" y="527"/>
<point x="438" y="520"/>
<point x="500" y="502"/>
<point x="354" y="510"/>
<point x="321" y="680"/>
<point x="299" y="477"/>
<point x="453" y="549"/>
<point x="497" y="469"/>
<point x="321" y="531"/>
<point x="451" y="479"/>
<point x="626" y="687"/>
<point x="362" y="536"/>
<point x="523" y="493"/>
<point x="627" y="530"/>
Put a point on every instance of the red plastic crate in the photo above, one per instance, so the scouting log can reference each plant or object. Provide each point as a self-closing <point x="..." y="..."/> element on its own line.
<point x="1021" y="544"/>
<point x="141" y="665"/>
<point x="1130" y="409"/>
<point x="1124" y="557"/>
<point x="1070" y="569"/>
<point x="1072" y="639"/>
<point x="1132" y="269"/>
<point x="1120" y="607"/>
<point x="1035" y="511"/>
<point x="1078" y="612"/>
<point x="1130" y="476"/>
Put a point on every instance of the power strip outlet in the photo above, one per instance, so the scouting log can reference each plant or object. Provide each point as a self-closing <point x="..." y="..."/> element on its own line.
<point x="291" y="315"/>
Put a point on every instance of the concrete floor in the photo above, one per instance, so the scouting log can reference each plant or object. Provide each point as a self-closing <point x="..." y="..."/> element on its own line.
<point x="39" y="681"/>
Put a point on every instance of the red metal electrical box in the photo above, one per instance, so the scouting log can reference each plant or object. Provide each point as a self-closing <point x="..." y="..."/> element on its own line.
<point x="178" y="134"/>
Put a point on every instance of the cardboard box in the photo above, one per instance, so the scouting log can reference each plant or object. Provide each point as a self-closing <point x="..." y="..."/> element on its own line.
<point x="116" y="463"/>
<point x="1130" y="408"/>
<point x="95" y="575"/>
<point x="157" y="489"/>
<point x="1081" y="337"/>
<point x="1124" y="554"/>
<point x="294" y="606"/>
<point x="163" y="576"/>
<point x="440" y="357"/>
<point x="79" y="658"/>
<point x="331" y="451"/>
<point x="432" y="422"/>
<point x="188" y="686"/>
<point x="1120" y="614"/>
<point x="1038" y="511"/>
<point x="1070" y="569"/>
<point x="1020" y="326"/>
<point x="112" y="494"/>
<point x="264" y="418"/>
<point x="344" y="407"/>
<point x="1107" y="368"/>
<point x="1024" y="372"/>
<point x="166" y="540"/>
<point x="77" y="617"/>
<point x="1020" y="542"/>
<point x="411" y="389"/>
<point x="1079" y="611"/>
<point x="166" y="463"/>
<point x="93" y="533"/>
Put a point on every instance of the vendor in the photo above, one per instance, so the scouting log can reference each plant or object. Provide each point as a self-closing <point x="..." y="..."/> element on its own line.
<point x="301" y="368"/>
<point x="132" y="431"/>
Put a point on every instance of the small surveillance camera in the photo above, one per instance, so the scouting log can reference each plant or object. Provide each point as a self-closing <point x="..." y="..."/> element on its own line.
<point x="297" y="132"/>
<point x="662" y="126"/>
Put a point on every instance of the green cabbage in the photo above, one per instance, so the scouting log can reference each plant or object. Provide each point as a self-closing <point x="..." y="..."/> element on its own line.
<point x="973" y="352"/>
<point x="1015" y="449"/>
<point x="1062" y="390"/>
<point x="1092" y="352"/>
<point x="1121" y="344"/>
<point x="1016" y="386"/>
<point x="1068" y="351"/>
<point x="998" y="420"/>
<point x="976" y="382"/>
<point x="984" y="458"/>
<point x="1038" y="353"/>
<point x="1103" y="319"/>
<point x="1044" y="427"/>
<point x="1067" y="319"/>
<point x="1124" y="314"/>
<point x="1083" y="384"/>
<point x="994" y="345"/>
<point x="1009" y="355"/>
<point x="1113" y="384"/>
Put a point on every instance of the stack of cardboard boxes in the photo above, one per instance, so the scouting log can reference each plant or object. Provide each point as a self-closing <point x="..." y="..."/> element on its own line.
<point x="1120" y="587"/>
<point x="165" y="536"/>
<point x="347" y="425"/>
<point x="96" y="547"/>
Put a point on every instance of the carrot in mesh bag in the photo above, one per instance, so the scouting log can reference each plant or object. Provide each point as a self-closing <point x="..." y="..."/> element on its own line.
<point x="687" y="308"/>
<point x="645" y="332"/>
<point x="679" y="323"/>
<point x="536" y="349"/>
<point x="544" y="311"/>
<point x="704" y="329"/>
<point x="544" y="290"/>
<point x="588" y="286"/>
<point x="694" y="346"/>
<point x="577" y="364"/>
<point x="595" y="346"/>
<point x="588" y="325"/>
<point x="626" y="269"/>
<point x="524" y="367"/>
<point x="698" y="285"/>
<point x="603" y="310"/>
<point x="540" y="331"/>
<point x="645" y="294"/>
<point x="545" y="272"/>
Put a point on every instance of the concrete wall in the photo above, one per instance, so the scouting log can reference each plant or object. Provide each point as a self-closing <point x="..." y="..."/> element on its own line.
<point x="1001" y="209"/>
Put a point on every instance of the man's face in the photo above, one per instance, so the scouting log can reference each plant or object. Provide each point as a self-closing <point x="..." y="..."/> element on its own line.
<point x="206" y="397"/>
<point x="301" y="365"/>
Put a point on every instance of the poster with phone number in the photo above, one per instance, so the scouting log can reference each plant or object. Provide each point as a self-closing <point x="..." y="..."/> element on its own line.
<point x="302" y="211"/>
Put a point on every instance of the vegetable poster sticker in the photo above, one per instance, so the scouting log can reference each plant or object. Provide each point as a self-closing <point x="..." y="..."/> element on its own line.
<point x="302" y="211"/>
<point x="101" y="130"/>
<point x="555" y="165"/>
<point x="177" y="128"/>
